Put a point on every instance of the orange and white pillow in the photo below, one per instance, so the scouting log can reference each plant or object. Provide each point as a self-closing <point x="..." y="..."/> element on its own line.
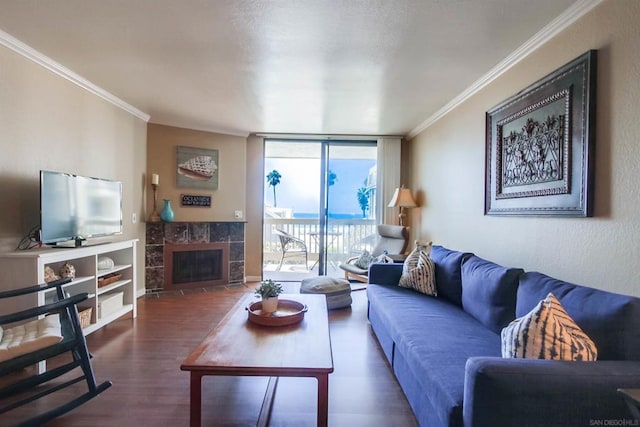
<point x="547" y="332"/>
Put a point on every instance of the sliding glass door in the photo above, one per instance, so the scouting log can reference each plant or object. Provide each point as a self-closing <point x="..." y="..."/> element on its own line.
<point x="319" y="205"/>
<point x="350" y="202"/>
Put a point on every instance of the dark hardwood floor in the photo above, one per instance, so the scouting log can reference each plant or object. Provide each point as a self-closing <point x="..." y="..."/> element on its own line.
<point x="142" y="357"/>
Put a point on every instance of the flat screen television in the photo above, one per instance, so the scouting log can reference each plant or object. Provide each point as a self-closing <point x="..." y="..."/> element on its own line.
<point x="74" y="207"/>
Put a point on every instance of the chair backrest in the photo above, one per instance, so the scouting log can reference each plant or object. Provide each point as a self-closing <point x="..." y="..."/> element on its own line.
<point x="283" y="236"/>
<point x="392" y="238"/>
<point x="286" y="239"/>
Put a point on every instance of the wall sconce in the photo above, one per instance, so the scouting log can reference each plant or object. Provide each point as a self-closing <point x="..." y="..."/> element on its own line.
<point x="402" y="198"/>
<point x="155" y="181"/>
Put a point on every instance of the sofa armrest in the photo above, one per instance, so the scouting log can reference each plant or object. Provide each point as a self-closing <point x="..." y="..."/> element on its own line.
<point x="385" y="274"/>
<point x="532" y="392"/>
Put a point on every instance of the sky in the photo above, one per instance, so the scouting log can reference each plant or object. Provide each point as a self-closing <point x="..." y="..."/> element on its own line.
<point x="299" y="187"/>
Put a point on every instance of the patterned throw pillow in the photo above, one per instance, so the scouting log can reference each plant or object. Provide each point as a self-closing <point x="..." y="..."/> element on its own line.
<point x="418" y="271"/>
<point x="384" y="258"/>
<point x="547" y="332"/>
<point x="364" y="260"/>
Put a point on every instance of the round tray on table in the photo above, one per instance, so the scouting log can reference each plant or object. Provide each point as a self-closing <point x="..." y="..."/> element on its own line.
<point x="289" y="312"/>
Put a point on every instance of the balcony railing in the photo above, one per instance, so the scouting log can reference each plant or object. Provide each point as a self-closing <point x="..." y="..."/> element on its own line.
<point x="345" y="238"/>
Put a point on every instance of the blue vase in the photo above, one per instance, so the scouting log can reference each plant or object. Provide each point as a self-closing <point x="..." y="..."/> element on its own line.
<point x="167" y="212"/>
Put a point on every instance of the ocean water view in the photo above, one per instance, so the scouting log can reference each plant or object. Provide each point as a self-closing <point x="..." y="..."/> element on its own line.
<point x="332" y="215"/>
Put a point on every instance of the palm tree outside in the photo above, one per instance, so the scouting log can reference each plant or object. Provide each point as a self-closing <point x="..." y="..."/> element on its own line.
<point x="363" y="200"/>
<point x="332" y="178"/>
<point x="273" y="178"/>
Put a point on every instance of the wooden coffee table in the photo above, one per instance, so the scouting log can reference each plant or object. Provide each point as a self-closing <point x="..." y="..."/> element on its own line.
<point x="300" y="350"/>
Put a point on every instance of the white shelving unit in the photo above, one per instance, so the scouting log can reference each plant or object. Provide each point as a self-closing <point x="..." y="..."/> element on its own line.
<point x="25" y="268"/>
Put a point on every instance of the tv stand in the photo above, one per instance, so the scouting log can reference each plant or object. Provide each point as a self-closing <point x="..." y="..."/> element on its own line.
<point x="112" y="291"/>
<point x="69" y="244"/>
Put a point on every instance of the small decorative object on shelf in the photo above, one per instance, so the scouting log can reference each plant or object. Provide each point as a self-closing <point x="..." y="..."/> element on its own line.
<point x="68" y="270"/>
<point x="109" y="279"/>
<point x="105" y="263"/>
<point x="269" y="291"/>
<point x="50" y="275"/>
<point x="85" y="317"/>
<point x="167" y="212"/>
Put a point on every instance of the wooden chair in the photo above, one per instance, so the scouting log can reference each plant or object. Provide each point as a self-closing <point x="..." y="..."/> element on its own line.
<point x="392" y="239"/>
<point x="291" y="246"/>
<point x="68" y="337"/>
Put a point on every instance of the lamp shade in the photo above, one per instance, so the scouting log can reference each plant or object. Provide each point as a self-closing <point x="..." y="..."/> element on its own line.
<point x="402" y="198"/>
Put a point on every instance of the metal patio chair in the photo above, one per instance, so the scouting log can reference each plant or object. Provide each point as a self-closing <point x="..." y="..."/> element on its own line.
<point x="291" y="246"/>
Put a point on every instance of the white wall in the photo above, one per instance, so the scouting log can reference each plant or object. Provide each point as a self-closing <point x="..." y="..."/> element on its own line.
<point x="46" y="122"/>
<point x="446" y="166"/>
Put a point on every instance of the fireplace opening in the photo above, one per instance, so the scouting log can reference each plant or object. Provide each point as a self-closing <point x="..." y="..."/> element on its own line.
<point x="196" y="265"/>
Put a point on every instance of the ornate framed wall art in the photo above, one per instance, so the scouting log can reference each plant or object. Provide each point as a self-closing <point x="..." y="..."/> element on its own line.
<point x="540" y="148"/>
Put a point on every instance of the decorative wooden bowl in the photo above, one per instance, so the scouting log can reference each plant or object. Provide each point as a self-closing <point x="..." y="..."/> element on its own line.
<point x="288" y="313"/>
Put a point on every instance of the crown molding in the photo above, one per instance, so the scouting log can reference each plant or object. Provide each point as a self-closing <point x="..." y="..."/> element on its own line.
<point x="191" y="126"/>
<point x="317" y="136"/>
<point x="28" y="52"/>
<point x="564" y="20"/>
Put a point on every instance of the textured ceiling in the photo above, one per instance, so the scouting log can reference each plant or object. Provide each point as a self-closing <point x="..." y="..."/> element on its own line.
<point x="305" y="66"/>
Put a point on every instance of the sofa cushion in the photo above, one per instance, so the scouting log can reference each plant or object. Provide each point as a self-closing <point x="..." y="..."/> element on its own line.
<point x="610" y="320"/>
<point x="435" y="338"/>
<point x="547" y="332"/>
<point x="418" y="271"/>
<point x="448" y="266"/>
<point x="489" y="292"/>
<point x="385" y="274"/>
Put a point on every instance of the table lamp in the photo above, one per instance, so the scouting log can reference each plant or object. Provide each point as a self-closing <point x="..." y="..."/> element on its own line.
<point x="402" y="198"/>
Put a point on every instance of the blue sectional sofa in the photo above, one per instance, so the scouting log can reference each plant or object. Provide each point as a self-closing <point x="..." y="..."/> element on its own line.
<point x="445" y="351"/>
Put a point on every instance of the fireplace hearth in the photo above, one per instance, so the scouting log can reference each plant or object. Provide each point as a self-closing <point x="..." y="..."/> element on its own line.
<point x="184" y="255"/>
<point x="195" y="265"/>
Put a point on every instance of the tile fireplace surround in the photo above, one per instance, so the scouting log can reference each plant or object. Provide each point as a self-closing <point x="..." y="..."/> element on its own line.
<point x="160" y="234"/>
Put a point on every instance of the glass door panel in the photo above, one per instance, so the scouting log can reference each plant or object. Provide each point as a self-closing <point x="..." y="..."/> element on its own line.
<point x="321" y="194"/>
<point x="291" y="205"/>
<point x="350" y="202"/>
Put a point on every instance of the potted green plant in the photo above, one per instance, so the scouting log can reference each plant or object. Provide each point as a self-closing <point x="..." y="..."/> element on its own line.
<point x="269" y="291"/>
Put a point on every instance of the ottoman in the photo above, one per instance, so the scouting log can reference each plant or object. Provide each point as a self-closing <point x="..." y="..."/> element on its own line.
<point x="338" y="291"/>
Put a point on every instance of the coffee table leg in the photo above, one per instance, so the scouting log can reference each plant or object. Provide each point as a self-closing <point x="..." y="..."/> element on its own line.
<point x="196" y="400"/>
<point x="323" y="400"/>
